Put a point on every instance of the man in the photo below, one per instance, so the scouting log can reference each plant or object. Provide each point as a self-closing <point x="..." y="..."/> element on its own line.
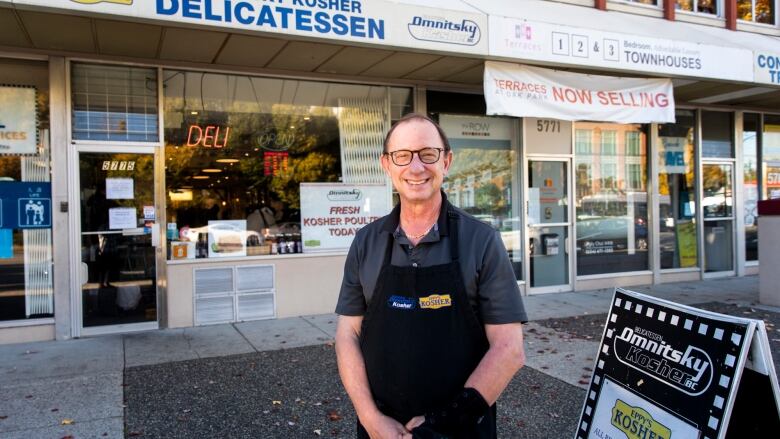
<point x="429" y="332"/>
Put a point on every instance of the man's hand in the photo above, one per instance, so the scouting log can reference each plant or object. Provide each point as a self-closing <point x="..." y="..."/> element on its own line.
<point x="415" y="422"/>
<point x="385" y="427"/>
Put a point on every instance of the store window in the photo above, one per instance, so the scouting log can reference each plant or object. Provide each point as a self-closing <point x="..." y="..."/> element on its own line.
<point x="237" y="149"/>
<point x="677" y="192"/>
<point x="114" y="103"/>
<point x="483" y="177"/>
<point x="701" y="6"/>
<point x="750" y="142"/>
<point x="717" y="133"/>
<point x="26" y="270"/>
<point x="758" y="11"/>
<point x="770" y="157"/>
<point x="612" y="199"/>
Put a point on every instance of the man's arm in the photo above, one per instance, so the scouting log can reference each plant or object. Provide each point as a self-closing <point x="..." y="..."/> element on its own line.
<point x="501" y="362"/>
<point x="352" y="369"/>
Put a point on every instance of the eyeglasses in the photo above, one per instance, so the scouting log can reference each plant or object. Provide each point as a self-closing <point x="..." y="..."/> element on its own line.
<point x="403" y="157"/>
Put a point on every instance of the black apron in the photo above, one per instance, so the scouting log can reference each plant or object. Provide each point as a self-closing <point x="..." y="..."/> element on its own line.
<point x="421" y="339"/>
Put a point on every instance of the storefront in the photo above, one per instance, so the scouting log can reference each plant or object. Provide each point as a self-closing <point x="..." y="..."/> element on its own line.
<point x="197" y="165"/>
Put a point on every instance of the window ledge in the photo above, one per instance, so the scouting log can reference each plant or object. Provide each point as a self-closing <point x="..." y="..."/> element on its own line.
<point x="26" y="322"/>
<point x="699" y="18"/>
<point x="636" y="8"/>
<point x="758" y="28"/>
<point x="256" y="258"/>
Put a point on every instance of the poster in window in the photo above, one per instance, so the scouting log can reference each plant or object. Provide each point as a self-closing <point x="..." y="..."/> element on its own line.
<point x="332" y="213"/>
<point x="18" y="120"/>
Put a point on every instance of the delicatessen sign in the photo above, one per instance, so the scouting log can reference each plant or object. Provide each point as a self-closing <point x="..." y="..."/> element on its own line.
<point x="332" y="213"/>
<point x="666" y="371"/>
<point x="523" y="91"/>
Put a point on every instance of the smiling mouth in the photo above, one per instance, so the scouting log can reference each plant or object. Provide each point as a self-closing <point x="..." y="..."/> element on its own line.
<point x="417" y="182"/>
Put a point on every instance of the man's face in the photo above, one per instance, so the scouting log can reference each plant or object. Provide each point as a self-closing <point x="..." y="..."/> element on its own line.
<point x="416" y="181"/>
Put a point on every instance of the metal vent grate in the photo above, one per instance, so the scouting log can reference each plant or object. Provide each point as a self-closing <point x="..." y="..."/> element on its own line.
<point x="214" y="310"/>
<point x="255" y="306"/>
<point x="213" y="281"/>
<point x="255" y="278"/>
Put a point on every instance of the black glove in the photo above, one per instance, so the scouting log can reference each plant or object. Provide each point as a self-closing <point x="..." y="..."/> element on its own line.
<point x="424" y="431"/>
<point x="462" y="414"/>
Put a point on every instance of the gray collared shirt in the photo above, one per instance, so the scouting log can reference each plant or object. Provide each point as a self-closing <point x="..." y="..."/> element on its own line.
<point x="487" y="272"/>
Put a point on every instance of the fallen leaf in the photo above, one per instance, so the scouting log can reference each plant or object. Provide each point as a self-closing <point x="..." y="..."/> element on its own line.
<point x="134" y="434"/>
<point x="640" y="382"/>
<point x="67" y="437"/>
<point x="276" y="402"/>
<point x="53" y="410"/>
<point x="67" y="422"/>
<point x="290" y="423"/>
<point x="333" y="415"/>
<point x="3" y="417"/>
<point x="318" y="432"/>
<point x="583" y="381"/>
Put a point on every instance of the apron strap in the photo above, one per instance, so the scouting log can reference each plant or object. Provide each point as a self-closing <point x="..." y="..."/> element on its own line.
<point x="452" y="221"/>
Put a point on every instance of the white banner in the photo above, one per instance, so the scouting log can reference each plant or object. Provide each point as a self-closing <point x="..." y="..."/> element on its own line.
<point x="538" y="41"/>
<point x="767" y="68"/>
<point x="18" y="120"/>
<point x="461" y="29"/>
<point x="521" y="91"/>
<point x="331" y="213"/>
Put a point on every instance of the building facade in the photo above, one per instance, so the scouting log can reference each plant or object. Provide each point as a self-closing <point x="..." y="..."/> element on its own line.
<point x="174" y="163"/>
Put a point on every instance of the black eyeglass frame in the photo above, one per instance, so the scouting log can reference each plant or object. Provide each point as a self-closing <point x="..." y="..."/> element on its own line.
<point x="438" y="155"/>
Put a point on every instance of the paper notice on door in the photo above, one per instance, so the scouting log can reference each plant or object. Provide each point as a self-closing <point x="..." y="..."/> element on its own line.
<point x="534" y="206"/>
<point x="122" y="218"/>
<point x="119" y="189"/>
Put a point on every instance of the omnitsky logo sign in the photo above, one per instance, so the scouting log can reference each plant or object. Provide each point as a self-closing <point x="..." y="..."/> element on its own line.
<point x="344" y="195"/>
<point x="687" y="369"/>
<point x="440" y="30"/>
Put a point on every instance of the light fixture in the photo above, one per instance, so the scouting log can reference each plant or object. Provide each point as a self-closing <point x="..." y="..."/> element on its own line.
<point x="307" y="118"/>
<point x="211" y="170"/>
<point x="194" y="113"/>
<point x="201" y="177"/>
<point x="227" y="160"/>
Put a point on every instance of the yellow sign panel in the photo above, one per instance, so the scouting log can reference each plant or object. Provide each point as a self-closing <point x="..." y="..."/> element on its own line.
<point x="435" y="301"/>
<point x="92" y="2"/>
<point x="637" y="423"/>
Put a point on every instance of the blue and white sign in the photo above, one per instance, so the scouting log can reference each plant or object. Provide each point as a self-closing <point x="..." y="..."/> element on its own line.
<point x="25" y="205"/>
<point x="673" y="155"/>
<point x="452" y="27"/>
<point x="767" y="68"/>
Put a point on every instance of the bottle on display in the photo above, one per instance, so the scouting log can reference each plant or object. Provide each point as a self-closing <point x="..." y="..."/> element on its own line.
<point x="202" y="246"/>
<point x="274" y="244"/>
<point x="290" y="243"/>
<point x="282" y="244"/>
<point x="298" y="243"/>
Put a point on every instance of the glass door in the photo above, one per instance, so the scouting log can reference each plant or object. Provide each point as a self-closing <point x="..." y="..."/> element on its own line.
<point x="118" y="236"/>
<point x="548" y="219"/>
<point x="718" y="210"/>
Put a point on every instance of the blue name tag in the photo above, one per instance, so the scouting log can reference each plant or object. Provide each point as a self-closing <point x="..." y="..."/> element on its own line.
<point x="401" y="302"/>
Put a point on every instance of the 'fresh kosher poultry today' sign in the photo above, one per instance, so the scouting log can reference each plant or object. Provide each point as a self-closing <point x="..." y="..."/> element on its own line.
<point x="669" y="371"/>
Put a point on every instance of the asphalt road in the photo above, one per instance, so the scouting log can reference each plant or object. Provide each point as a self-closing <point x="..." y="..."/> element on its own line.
<point x="296" y="393"/>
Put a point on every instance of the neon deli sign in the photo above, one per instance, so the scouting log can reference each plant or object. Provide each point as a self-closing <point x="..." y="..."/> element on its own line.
<point x="209" y="136"/>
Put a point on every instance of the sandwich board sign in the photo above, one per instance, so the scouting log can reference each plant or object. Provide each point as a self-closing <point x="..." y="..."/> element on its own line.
<point x="670" y="371"/>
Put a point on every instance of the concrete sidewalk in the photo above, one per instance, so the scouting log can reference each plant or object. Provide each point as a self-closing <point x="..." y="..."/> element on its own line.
<point x="76" y="388"/>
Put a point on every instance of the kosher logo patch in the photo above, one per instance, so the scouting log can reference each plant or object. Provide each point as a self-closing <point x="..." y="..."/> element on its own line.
<point x="435" y="301"/>
<point x="401" y="302"/>
<point x="637" y="423"/>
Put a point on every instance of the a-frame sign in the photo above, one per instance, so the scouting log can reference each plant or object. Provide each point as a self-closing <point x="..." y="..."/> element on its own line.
<point x="670" y="371"/>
